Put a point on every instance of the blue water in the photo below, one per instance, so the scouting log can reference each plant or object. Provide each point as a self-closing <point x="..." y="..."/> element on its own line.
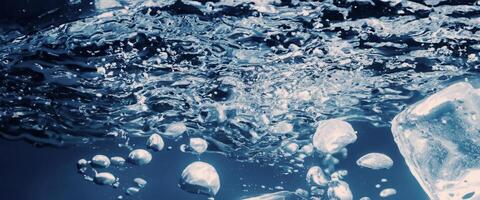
<point x="48" y="173"/>
<point x="100" y="82"/>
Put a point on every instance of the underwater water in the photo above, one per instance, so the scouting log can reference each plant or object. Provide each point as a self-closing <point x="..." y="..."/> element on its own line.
<point x="270" y="88"/>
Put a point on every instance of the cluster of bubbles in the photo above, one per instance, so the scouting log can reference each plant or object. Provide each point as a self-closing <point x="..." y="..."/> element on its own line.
<point x="260" y="81"/>
<point x="330" y="139"/>
<point x="254" y="71"/>
<point x="198" y="177"/>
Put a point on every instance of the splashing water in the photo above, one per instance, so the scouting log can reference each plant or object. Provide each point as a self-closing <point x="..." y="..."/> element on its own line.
<point x="252" y="78"/>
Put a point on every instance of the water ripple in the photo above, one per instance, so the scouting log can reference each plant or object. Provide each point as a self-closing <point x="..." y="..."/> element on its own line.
<point x="231" y="70"/>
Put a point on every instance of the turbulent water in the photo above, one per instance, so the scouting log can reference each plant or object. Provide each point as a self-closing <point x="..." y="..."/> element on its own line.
<point x="248" y="76"/>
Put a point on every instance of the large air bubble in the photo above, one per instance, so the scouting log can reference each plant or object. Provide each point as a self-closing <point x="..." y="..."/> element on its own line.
<point x="200" y="178"/>
<point x="140" y="157"/>
<point x="332" y="135"/>
<point x="375" y="161"/>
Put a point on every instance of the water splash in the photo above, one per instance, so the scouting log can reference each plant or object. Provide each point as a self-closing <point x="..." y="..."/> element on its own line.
<point x="231" y="71"/>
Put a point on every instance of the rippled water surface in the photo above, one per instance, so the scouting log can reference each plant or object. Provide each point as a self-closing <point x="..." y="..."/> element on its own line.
<point x="250" y="77"/>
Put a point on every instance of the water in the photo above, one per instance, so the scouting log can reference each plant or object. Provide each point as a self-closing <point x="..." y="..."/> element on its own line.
<point x="252" y="78"/>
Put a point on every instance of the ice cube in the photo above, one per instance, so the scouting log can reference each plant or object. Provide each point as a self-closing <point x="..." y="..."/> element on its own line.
<point x="439" y="138"/>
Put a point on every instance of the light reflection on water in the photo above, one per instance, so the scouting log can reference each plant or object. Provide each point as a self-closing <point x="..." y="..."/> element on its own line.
<point x="232" y="71"/>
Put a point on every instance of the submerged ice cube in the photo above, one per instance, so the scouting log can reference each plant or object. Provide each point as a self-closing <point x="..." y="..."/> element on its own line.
<point x="332" y="135"/>
<point x="439" y="137"/>
<point x="200" y="178"/>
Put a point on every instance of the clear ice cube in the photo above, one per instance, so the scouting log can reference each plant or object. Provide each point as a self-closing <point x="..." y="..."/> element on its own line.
<point x="439" y="137"/>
